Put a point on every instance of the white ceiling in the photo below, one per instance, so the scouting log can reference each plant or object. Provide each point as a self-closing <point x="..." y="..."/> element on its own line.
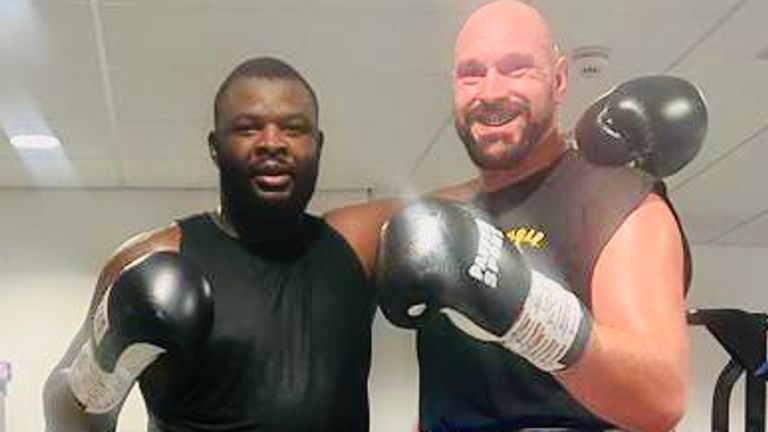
<point x="128" y="85"/>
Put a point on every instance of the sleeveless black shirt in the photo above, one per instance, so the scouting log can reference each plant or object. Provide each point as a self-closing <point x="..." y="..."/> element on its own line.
<point x="561" y="218"/>
<point x="291" y="340"/>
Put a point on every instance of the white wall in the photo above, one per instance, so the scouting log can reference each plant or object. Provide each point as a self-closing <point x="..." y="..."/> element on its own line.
<point x="53" y="245"/>
<point x="54" y="242"/>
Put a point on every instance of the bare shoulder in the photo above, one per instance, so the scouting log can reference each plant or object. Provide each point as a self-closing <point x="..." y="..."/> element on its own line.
<point x="650" y="231"/>
<point x="360" y="225"/>
<point x="362" y="216"/>
<point x="162" y="239"/>
<point x="653" y="218"/>
<point x="639" y="276"/>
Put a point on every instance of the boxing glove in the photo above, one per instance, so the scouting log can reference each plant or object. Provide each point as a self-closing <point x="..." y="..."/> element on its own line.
<point x="438" y="257"/>
<point x="657" y="122"/>
<point x="159" y="305"/>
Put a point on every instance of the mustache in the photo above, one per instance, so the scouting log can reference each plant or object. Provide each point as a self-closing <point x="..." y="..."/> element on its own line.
<point x="271" y="164"/>
<point x="497" y="112"/>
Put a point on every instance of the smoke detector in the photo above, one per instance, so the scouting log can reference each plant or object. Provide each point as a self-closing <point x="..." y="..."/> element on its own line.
<point x="590" y="61"/>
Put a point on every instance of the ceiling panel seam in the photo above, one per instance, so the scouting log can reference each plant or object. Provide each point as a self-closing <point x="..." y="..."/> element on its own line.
<point x="734" y="244"/>
<point x="685" y="54"/>
<point x="737" y="226"/>
<point x="428" y="148"/>
<point x="727" y="154"/>
<point x="706" y="35"/>
<point x="107" y="87"/>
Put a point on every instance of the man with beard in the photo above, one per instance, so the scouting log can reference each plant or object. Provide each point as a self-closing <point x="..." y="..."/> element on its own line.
<point x="254" y="317"/>
<point x="566" y="312"/>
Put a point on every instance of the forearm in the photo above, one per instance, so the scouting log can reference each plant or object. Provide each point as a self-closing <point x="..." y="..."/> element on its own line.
<point x="64" y="414"/>
<point x="631" y="380"/>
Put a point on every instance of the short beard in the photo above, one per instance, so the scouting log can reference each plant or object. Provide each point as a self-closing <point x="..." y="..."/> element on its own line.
<point x="257" y="219"/>
<point x="515" y="152"/>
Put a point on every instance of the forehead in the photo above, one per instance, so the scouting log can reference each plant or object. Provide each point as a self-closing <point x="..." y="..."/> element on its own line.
<point x="279" y="95"/>
<point x="488" y="37"/>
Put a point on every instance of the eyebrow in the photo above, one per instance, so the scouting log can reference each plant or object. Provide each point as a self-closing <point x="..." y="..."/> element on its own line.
<point x="296" y="117"/>
<point x="469" y="66"/>
<point x="282" y="118"/>
<point x="509" y="62"/>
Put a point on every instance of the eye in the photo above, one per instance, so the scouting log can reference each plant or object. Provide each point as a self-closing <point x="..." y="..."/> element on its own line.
<point x="469" y="81"/>
<point x="515" y="66"/>
<point x="295" y="130"/>
<point x="249" y="128"/>
<point x="514" y="71"/>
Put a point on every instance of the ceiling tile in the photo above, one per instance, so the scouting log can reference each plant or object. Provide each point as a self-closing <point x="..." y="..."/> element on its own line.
<point x="149" y="92"/>
<point x="733" y="82"/>
<point x="56" y="35"/>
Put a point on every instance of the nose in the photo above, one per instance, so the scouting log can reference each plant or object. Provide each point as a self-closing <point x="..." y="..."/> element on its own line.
<point x="272" y="140"/>
<point x="492" y="87"/>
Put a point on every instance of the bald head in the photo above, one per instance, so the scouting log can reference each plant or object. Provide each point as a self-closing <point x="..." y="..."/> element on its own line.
<point x="511" y="24"/>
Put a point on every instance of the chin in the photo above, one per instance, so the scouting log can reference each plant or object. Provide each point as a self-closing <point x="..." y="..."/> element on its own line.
<point x="503" y="158"/>
<point x="279" y="206"/>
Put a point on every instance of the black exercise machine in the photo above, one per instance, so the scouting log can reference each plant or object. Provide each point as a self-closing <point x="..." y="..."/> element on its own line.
<point x="743" y="335"/>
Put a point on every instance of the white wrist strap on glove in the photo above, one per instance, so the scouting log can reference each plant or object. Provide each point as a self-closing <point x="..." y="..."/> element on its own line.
<point x="546" y="329"/>
<point x="100" y="391"/>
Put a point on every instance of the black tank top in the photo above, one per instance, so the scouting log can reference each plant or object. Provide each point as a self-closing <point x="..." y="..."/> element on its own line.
<point x="290" y="345"/>
<point x="561" y="217"/>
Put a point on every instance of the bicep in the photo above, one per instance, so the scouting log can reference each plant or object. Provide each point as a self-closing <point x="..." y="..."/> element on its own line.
<point x="638" y="280"/>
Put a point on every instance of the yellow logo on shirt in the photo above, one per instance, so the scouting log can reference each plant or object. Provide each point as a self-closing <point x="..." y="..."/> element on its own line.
<point x="526" y="236"/>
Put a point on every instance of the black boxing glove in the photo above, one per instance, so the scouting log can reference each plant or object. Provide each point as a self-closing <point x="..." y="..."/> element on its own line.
<point x="658" y="122"/>
<point x="439" y="257"/>
<point x="159" y="305"/>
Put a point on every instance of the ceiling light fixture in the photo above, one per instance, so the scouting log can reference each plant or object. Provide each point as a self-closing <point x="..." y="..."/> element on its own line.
<point x="35" y="142"/>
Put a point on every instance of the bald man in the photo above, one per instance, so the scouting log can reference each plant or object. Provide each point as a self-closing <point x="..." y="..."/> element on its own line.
<point x="606" y="239"/>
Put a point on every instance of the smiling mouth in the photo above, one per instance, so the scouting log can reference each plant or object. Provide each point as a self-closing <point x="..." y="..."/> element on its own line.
<point x="272" y="182"/>
<point x="496" y="118"/>
<point x="272" y="177"/>
<point x="498" y="114"/>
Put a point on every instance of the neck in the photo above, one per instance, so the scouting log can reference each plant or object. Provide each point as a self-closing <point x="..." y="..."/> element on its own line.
<point x="543" y="154"/>
<point x="255" y="229"/>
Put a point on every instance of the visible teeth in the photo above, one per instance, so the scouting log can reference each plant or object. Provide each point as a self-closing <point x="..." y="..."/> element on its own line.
<point x="496" y="119"/>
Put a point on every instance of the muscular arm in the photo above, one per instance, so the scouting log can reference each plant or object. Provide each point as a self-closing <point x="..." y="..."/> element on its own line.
<point x="62" y="412"/>
<point x="360" y="226"/>
<point x="634" y="370"/>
